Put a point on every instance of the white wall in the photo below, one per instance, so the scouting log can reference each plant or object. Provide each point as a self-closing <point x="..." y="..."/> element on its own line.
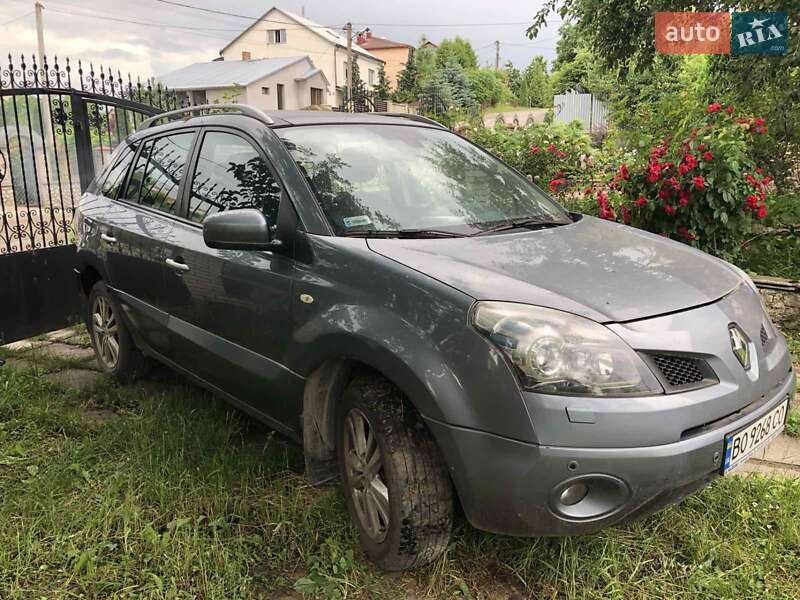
<point x="299" y="41"/>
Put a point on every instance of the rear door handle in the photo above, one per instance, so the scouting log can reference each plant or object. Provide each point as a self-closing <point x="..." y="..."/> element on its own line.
<point x="178" y="266"/>
<point x="108" y="238"/>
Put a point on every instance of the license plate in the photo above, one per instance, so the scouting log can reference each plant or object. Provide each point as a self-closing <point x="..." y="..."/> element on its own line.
<point x="740" y="445"/>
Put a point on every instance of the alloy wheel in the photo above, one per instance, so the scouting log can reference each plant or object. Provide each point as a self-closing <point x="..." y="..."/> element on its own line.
<point x="365" y="475"/>
<point x="104" y="330"/>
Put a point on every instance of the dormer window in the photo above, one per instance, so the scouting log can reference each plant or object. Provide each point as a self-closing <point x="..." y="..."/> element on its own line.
<point x="276" y="36"/>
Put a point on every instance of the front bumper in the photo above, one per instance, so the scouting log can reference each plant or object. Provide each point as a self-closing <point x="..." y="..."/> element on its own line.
<point x="512" y="487"/>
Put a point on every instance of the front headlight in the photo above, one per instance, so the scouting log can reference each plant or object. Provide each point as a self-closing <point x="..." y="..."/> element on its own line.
<point x="560" y="353"/>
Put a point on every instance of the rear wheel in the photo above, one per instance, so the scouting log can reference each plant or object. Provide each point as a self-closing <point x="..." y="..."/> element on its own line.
<point x="113" y="346"/>
<point x="395" y="482"/>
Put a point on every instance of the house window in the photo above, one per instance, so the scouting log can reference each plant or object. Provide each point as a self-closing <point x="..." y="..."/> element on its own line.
<point x="371" y="76"/>
<point x="276" y="36"/>
<point x="265" y="91"/>
<point x="245" y="55"/>
<point x="316" y="96"/>
<point x="279" y="88"/>
<point x="199" y="97"/>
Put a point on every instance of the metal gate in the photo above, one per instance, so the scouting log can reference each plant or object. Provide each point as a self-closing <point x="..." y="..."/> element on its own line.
<point x="59" y="124"/>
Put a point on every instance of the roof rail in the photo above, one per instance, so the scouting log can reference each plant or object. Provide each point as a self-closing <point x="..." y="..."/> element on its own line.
<point x="241" y="109"/>
<point x="412" y="117"/>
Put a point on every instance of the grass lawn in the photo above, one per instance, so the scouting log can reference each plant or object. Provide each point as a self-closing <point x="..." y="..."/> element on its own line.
<point x="157" y="490"/>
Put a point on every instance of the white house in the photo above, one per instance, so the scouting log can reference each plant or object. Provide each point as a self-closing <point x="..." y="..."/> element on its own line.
<point x="279" y="33"/>
<point x="287" y="83"/>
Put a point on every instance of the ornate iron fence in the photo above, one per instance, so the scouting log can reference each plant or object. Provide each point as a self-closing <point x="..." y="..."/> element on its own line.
<point x="59" y="123"/>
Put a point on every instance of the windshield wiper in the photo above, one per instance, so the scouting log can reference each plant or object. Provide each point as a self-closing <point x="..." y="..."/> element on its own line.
<point x="527" y="222"/>
<point x="402" y="233"/>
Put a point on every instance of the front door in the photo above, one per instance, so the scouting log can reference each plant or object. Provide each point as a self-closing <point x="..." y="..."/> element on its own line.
<point x="138" y="229"/>
<point x="233" y="326"/>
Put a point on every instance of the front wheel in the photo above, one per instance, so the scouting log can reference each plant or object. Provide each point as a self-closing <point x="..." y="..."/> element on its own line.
<point x="395" y="482"/>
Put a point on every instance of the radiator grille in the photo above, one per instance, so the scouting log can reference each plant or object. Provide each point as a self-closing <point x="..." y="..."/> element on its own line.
<point x="679" y="370"/>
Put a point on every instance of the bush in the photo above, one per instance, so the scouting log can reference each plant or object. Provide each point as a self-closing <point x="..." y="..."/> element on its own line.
<point x="557" y="157"/>
<point x="706" y="189"/>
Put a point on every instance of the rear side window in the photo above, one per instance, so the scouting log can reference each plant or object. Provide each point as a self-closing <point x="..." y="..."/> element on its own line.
<point x="115" y="178"/>
<point x="162" y="176"/>
<point x="230" y="174"/>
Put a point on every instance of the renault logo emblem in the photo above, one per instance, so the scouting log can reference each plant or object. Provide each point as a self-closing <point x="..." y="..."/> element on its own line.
<point x="740" y="345"/>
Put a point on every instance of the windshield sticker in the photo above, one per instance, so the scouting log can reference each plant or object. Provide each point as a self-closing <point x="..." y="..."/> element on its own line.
<point x="357" y="221"/>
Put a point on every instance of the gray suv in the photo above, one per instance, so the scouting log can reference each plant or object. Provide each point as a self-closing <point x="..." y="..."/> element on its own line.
<point x="427" y="323"/>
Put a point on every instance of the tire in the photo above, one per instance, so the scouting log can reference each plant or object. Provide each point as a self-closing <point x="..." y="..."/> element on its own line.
<point x="409" y="470"/>
<point x="113" y="346"/>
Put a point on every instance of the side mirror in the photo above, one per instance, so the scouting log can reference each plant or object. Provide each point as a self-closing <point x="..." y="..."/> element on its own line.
<point x="242" y="229"/>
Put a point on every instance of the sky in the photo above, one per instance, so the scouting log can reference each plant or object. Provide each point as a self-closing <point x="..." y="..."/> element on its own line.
<point x="86" y="29"/>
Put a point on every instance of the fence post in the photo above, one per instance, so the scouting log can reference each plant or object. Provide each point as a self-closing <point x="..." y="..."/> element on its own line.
<point x="83" y="140"/>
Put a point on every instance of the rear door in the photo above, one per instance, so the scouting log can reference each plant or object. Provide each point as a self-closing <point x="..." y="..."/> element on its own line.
<point x="140" y="226"/>
<point x="232" y="326"/>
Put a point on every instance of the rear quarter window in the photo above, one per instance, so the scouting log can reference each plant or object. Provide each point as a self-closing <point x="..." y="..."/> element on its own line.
<point x="113" y="179"/>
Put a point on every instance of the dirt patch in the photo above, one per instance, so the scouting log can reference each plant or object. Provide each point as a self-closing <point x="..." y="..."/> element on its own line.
<point x="101" y="416"/>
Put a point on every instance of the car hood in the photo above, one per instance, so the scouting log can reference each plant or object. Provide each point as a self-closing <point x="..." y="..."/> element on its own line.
<point x="601" y="270"/>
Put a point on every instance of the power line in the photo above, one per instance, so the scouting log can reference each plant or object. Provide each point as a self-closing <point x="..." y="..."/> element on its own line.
<point x="142" y="23"/>
<point x="252" y="18"/>
<point x="27" y="14"/>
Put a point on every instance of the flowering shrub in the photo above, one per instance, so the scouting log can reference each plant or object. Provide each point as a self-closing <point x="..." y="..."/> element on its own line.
<point x="556" y="156"/>
<point x="705" y="190"/>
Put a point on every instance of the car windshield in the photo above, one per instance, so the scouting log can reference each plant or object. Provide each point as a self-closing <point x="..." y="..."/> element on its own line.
<point x="390" y="178"/>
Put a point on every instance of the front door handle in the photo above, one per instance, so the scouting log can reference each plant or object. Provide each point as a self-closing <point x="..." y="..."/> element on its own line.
<point x="178" y="266"/>
<point x="110" y="239"/>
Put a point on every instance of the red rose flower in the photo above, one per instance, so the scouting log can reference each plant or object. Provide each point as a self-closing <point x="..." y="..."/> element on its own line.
<point x="752" y="201"/>
<point x="653" y="172"/>
<point x="535" y="149"/>
<point x="759" y="122"/>
<point x="623" y="171"/>
<point x="762" y="212"/>
<point x="554" y="183"/>
<point x="707" y="156"/>
<point x="587" y="191"/>
<point x="766" y="180"/>
<point x="759" y="170"/>
<point x="640" y="201"/>
<point x="560" y="154"/>
<point x="686" y="234"/>
<point x="714" y="107"/>
<point x="701" y="147"/>
<point x="729" y="110"/>
<point x="699" y="182"/>
<point x="761" y="130"/>
<point x="669" y="209"/>
<point x="550" y="148"/>
<point x="683" y="197"/>
<point x="626" y="215"/>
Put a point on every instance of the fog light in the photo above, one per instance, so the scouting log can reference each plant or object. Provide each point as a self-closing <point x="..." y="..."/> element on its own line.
<point x="574" y="493"/>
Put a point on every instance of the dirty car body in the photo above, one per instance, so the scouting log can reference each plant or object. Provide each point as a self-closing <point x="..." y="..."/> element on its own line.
<point x="574" y="373"/>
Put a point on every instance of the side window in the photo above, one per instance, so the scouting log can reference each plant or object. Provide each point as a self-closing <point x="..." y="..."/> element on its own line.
<point x="137" y="174"/>
<point x="116" y="174"/>
<point x="162" y="177"/>
<point x="230" y="174"/>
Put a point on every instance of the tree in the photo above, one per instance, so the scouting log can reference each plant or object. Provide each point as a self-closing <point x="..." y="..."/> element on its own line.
<point x="459" y="49"/>
<point x="535" y="87"/>
<point x="426" y="61"/>
<point x="407" y="80"/>
<point x="455" y="77"/>
<point x="488" y="86"/>
<point x="381" y="90"/>
<point x="569" y="41"/>
<point x="359" y="98"/>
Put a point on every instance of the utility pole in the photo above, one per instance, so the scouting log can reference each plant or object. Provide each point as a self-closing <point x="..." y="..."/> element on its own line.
<point x="349" y="29"/>
<point x="39" y="31"/>
<point x="497" y="55"/>
<point x="47" y="123"/>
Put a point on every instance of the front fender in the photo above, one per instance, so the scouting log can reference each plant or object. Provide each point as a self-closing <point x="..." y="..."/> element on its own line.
<point x="413" y="330"/>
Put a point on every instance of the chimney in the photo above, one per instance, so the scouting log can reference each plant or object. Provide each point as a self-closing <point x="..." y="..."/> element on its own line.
<point x="245" y="55"/>
<point x="360" y="39"/>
